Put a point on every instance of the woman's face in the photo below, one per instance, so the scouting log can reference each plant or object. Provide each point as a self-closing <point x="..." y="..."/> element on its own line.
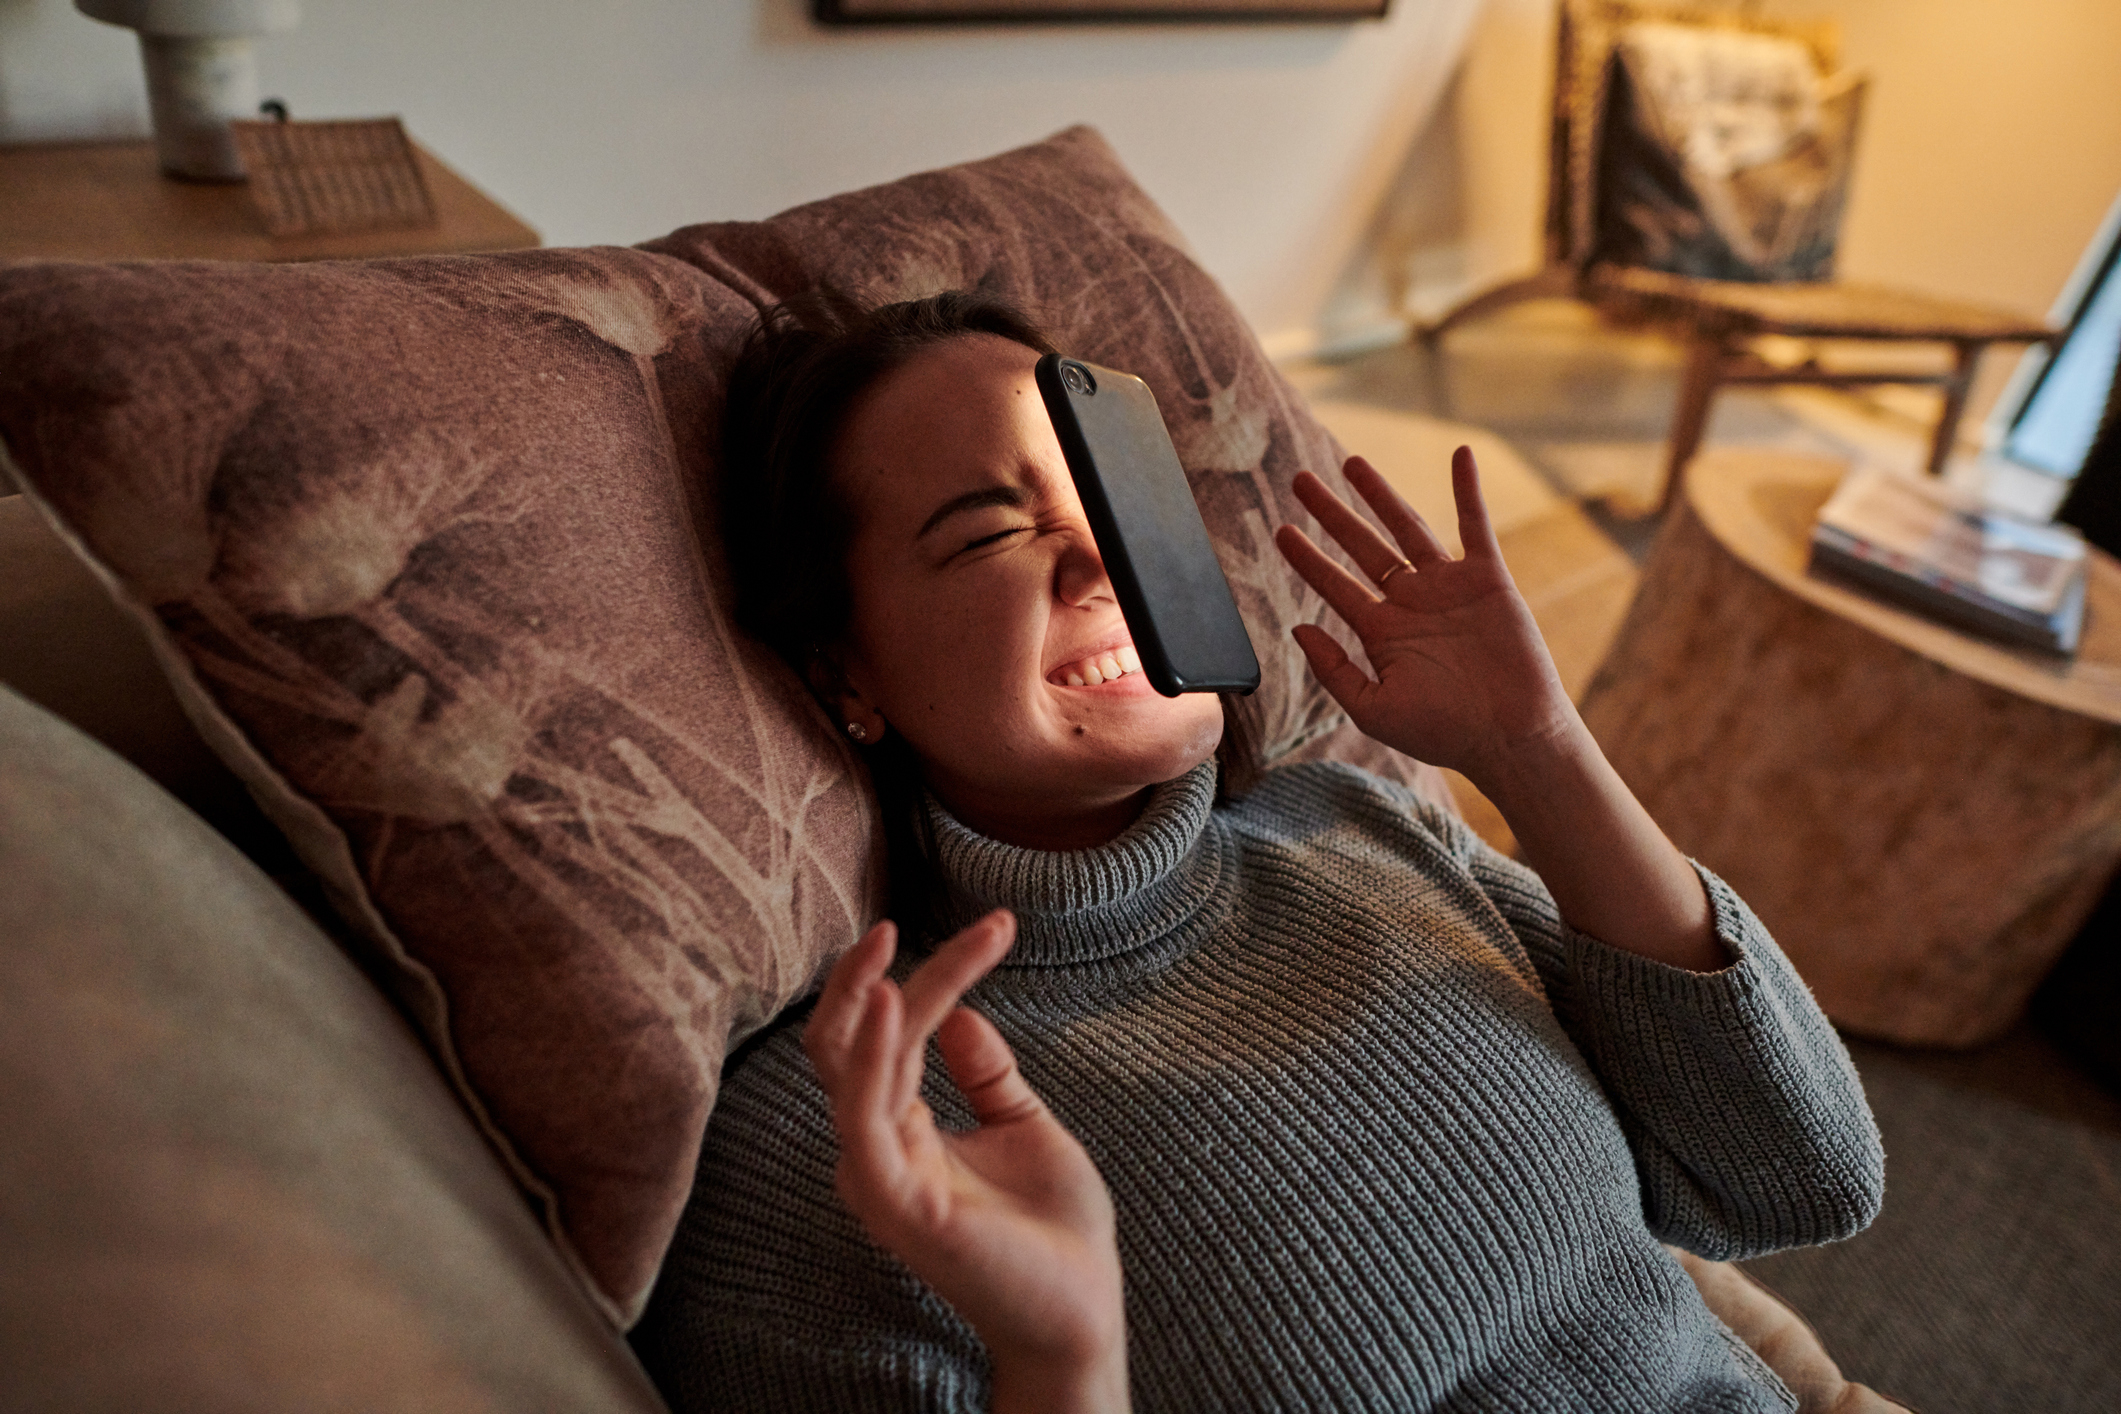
<point x="984" y="629"/>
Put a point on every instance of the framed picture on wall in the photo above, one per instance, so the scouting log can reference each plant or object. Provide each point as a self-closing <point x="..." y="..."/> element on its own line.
<point x="981" y="12"/>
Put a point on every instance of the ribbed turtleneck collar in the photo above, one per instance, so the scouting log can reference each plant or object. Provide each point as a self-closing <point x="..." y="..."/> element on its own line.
<point x="1086" y="904"/>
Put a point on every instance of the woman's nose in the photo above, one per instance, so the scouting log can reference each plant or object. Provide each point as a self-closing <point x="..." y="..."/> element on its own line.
<point x="1080" y="576"/>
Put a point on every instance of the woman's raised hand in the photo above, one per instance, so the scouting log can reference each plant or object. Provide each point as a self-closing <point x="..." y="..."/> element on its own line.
<point x="1009" y="1222"/>
<point x="1463" y="677"/>
<point x="1464" y="680"/>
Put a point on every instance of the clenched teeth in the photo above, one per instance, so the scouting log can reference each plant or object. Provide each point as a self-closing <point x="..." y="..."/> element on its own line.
<point x="1099" y="668"/>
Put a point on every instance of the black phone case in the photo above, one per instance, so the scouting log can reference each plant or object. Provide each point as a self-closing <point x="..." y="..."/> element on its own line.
<point x="1155" y="546"/>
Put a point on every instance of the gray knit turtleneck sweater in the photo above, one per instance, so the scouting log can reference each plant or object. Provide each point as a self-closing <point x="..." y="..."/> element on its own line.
<point x="1381" y="1130"/>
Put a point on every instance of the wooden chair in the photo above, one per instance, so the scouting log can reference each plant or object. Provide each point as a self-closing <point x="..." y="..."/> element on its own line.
<point x="1718" y="317"/>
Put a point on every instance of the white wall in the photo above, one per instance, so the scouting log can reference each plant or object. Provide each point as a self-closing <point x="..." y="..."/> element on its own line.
<point x="615" y="120"/>
<point x="1463" y="211"/>
<point x="1991" y="143"/>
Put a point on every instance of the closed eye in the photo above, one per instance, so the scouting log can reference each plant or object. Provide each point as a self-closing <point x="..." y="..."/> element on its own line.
<point x="998" y="535"/>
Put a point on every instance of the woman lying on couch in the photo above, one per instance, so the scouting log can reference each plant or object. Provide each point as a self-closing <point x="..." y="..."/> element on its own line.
<point x="1388" y="1120"/>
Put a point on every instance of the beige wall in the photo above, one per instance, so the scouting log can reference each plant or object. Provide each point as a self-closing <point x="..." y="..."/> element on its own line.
<point x="614" y="121"/>
<point x="1990" y="151"/>
<point x="1992" y="140"/>
<point x="1329" y="175"/>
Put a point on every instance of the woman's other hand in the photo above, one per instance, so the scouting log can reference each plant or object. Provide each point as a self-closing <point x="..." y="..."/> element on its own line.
<point x="1465" y="680"/>
<point x="1010" y="1222"/>
<point x="1463" y="677"/>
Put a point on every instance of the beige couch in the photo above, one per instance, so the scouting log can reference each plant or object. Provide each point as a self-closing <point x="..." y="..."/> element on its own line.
<point x="231" y="1176"/>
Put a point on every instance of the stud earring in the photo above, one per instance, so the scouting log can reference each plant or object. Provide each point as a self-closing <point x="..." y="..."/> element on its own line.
<point x="858" y="731"/>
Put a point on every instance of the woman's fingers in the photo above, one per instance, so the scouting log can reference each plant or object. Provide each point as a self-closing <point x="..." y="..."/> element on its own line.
<point x="840" y="1007"/>
<point x="1474" y="529"/>
<point x="868" y="1038"/>
<point x="1407" y="525"/>
<point x="1348" y="683"/>
<point x="1350" y="597"/>
<point x="872" y="1135"/>
<point x="936" y="985"/>
<point x="984" y="1068"/>
<point x="1374" y="554"/>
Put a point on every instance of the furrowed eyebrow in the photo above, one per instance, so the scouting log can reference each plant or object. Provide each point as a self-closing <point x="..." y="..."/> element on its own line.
<point x="972" y="501"/>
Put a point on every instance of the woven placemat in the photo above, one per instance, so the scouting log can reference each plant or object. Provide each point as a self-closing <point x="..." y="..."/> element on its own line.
<point x="309" y="178"/>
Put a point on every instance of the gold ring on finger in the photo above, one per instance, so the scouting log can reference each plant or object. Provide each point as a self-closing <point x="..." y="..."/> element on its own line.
<point x="1386" y="577"/>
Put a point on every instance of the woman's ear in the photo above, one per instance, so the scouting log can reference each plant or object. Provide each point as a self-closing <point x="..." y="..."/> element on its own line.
<point x="829" y="680"/>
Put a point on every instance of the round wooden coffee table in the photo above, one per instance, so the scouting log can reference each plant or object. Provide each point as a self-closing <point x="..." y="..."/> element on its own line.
<point x="1922" y="818"/>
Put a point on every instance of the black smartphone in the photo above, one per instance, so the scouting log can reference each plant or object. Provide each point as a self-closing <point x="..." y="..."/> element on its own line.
<point x="1149" y="531"/>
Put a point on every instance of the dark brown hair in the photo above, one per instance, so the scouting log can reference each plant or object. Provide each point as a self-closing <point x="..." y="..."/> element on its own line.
<point x="796" y="380"/>
<point x="786" y="531"/>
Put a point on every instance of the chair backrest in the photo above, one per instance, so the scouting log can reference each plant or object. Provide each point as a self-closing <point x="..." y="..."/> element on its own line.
<point x="1583" y="68"/>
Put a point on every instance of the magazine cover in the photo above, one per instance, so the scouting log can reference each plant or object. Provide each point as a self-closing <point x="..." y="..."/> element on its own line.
<point x="1941" y="551"/>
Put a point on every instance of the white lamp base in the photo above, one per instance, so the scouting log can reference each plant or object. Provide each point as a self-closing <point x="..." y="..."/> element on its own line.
<point x="201" y="72"/>
<point x="195" y="88"/>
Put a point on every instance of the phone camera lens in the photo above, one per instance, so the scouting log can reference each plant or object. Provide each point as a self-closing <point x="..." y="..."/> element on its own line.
<point x="1078" y="379"/>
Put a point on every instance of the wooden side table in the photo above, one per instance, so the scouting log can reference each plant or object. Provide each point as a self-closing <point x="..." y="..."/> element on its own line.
<point x="1719" y="316"/>
<point x="1923" y="819"/>
<point x="109" y="201"/>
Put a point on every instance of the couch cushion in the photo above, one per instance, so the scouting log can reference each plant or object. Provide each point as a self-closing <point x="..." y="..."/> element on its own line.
<point x="423" y="546"/>
<point x="231" y="1178"/>
<point x="416" y="542"/>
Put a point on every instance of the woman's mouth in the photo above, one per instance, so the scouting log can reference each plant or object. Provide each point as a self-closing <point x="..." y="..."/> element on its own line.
<point x="1107" y="666"/>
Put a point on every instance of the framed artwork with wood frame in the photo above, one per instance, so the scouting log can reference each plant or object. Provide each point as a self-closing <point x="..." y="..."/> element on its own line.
<point x="1046" y="12"/>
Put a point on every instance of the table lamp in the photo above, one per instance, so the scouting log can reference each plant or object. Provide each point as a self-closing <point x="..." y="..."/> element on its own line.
<point x="201" y="72"/>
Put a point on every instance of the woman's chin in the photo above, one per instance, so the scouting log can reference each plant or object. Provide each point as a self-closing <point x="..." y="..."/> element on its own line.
<point x="1143" y="735"/>
<point x="1061" y="783"/>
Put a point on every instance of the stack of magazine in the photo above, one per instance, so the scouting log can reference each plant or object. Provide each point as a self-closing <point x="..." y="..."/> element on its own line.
<point x="1940" y="552"/>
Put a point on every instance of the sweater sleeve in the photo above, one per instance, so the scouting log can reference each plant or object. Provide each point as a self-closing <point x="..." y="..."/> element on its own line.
<point x="1745" y="1114"/>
